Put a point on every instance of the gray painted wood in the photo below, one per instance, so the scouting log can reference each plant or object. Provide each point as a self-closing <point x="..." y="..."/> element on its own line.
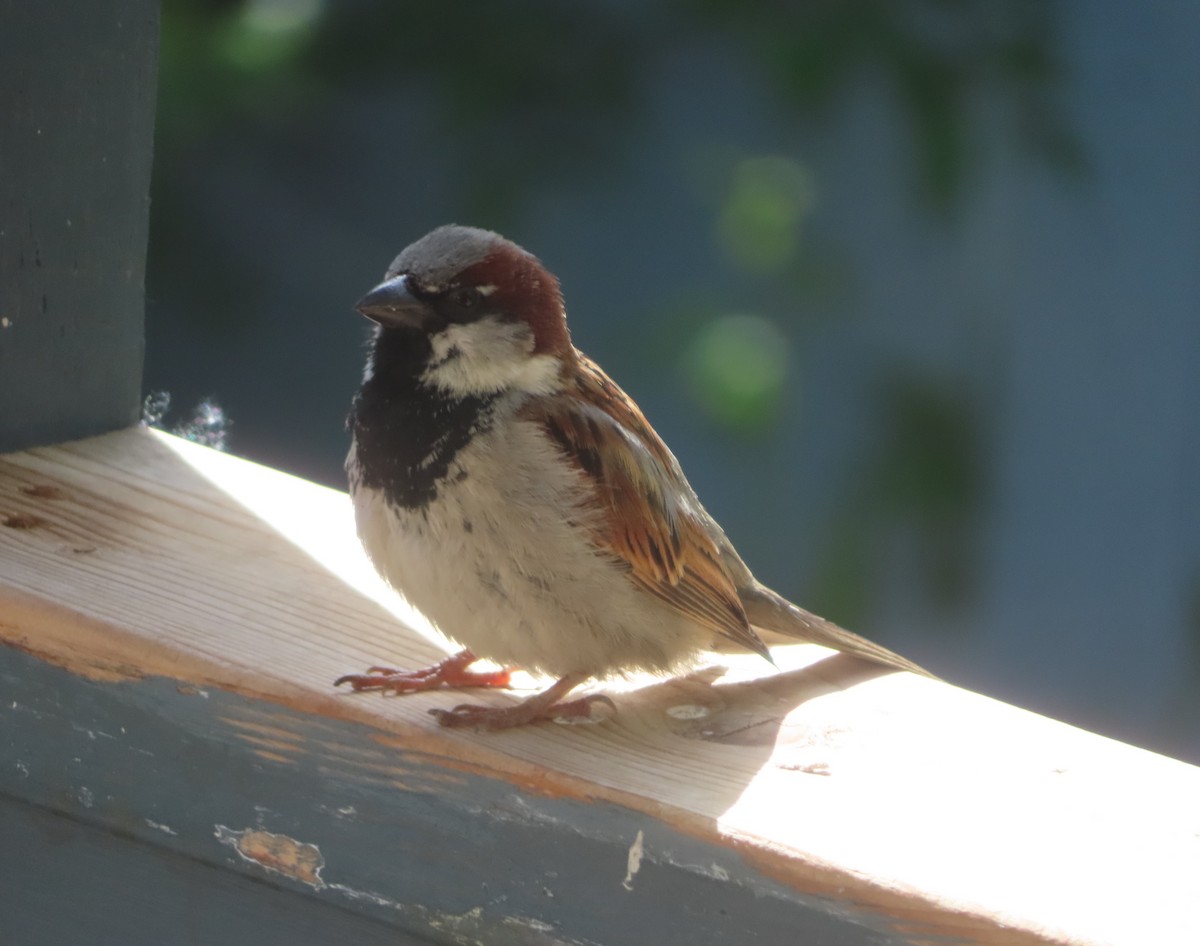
<point x="66" y="881"/>
<point x="120" y="801"/>
<point x="77" y="89"/>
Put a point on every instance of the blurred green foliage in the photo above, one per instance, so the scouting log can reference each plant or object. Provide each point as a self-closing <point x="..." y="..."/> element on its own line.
<point x="935" y="54"/>
<point x="501" y="77"/>
<point x="514" y="73"/>
<point x="530" y="95"/>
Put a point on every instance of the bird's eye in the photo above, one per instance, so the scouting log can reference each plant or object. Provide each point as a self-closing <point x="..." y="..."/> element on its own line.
<point x="464" y="297"/>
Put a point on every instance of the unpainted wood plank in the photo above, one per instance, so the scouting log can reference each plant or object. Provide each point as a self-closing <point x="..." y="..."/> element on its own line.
<point x="907" y="800"/>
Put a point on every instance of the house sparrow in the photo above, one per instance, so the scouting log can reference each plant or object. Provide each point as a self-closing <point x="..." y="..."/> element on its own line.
<point x="514" y="494"/>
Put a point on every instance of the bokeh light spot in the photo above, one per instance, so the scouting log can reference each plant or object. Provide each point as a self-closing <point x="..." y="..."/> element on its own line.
<point x="281" y="16"/>
<point x="736" y="367"/>
<point x="268" y="33"/>
<point x="759" y="224"/>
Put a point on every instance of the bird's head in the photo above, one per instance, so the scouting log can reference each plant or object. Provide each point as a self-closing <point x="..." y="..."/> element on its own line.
<point x="491" y="313"/>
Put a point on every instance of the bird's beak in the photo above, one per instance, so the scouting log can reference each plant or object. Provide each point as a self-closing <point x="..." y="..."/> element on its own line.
<point x="393" y="305"/>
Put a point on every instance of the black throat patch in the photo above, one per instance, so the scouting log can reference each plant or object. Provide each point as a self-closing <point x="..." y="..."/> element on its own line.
<point x="406" y="433"/>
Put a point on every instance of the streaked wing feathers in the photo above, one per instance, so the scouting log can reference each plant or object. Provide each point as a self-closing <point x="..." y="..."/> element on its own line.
<point x="647" y="520"/>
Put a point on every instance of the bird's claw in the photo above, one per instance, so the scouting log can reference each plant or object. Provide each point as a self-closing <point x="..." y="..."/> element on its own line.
<point x="450" y="673"/>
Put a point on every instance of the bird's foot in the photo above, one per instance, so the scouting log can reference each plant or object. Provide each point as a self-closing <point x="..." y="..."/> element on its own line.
<point x="450" y="673"/>
<point x="545" y="705"/>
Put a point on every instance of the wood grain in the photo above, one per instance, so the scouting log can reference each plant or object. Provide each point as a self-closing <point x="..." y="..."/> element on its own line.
<point x="915" y="809"/>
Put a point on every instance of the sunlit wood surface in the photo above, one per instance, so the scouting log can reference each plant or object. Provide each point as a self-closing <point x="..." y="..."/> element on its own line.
<point x="870" y="807"/>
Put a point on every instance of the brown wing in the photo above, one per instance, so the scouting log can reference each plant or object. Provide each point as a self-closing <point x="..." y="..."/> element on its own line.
<point x="649" y="519"/>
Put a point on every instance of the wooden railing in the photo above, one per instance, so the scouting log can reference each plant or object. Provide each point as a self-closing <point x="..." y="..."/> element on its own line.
<point x="172" y="752"/>
<point x="175" y="766"/>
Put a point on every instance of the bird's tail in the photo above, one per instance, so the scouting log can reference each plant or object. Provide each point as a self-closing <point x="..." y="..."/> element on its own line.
<point x="772" y="612"/>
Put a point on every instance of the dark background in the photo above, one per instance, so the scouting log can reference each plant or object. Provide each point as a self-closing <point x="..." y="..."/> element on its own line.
<point x="909" y="286"/>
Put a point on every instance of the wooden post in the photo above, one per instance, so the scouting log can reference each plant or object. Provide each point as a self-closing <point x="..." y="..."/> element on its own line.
<point x="77" y="89"/>
<point x="173" y="758"/>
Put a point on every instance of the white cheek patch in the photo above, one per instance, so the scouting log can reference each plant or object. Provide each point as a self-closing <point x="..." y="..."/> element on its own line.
<point x="369" y="367"/>
<point x="488" y="356"/>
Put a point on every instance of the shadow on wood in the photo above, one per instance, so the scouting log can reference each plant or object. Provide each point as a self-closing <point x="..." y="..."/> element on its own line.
<point x="176" y="617"/>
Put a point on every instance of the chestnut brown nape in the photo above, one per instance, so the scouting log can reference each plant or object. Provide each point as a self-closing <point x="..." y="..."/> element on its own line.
<point x="524" y="288"/>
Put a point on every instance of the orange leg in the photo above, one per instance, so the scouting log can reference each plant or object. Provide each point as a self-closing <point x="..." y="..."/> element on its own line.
<point x="450" y="673"/>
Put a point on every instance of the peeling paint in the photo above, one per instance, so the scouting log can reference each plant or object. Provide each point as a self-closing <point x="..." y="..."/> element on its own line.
<point x="276" y="852"/>
<point x="165" y="829"/>
<point x="452" y="924"/>
<point x="534" y="932"/>
<point x="634" y="862"/>
<point x="519" y="809"/>
<point x="368" y="895"/>
<point x="712" y="869"/>
<point x="716" y="871"/>
<point x="348" y="812"/>
<point x="538" y="926"/>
